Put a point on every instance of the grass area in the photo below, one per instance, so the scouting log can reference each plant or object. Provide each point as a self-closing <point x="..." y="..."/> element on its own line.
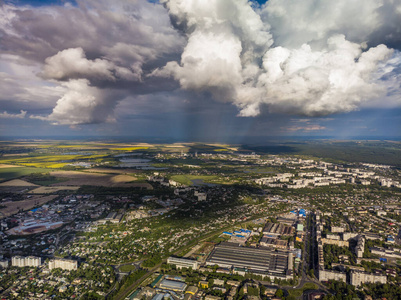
<point x="299" y="292"/>
<point x="186" y="179"/>
<point x="260" y="170"/>
<point x="218" y="238"/>
<point x="187" y="161"/>
<point x="37" y="161"/>
<point x="12" y="173"/>
<point x="43" y="179"/>
<point x="130" y="148"/>
<point x="249" y="200"/>
<point x="127" y="268"/>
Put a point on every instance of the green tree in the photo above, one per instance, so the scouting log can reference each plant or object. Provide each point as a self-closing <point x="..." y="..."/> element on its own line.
<point x="279" y="293"/>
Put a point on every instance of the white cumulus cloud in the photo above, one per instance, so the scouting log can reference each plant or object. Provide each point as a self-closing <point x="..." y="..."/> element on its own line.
<point x="309" y="82"/>
<point x="6" y="115"/>
<point x="301" y="57"/>
<point x="226" y="40"/>
<point x="72" y="63"/>
<point x="82" y="104"/>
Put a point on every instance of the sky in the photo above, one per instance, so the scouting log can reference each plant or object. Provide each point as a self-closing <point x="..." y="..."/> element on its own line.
<point x="197" y="70"/>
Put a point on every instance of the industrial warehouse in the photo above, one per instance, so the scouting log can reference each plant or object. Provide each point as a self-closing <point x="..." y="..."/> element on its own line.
<point x="183" y="262"/>
<point x="265" y="262"/>
<point x="172" y="285"/>
<point x="276" y="229"/>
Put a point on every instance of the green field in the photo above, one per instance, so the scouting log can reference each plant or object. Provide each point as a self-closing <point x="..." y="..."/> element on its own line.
<point x="127" y="268"/>
<point x="299" y="292"/>
<point x="186" y="179"/>
<point x="12" y="173"/>
<point x="43" y="179"/>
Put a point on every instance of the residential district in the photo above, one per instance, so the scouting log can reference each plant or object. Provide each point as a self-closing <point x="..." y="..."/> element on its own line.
<point x="293" y="229"/>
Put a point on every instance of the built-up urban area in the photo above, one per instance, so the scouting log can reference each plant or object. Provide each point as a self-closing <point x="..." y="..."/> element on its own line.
<point x="194" y="221"/>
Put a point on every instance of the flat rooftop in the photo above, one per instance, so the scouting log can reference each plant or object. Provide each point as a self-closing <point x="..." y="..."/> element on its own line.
<point x="262" y="260"/>
<point x="172" y="285"/>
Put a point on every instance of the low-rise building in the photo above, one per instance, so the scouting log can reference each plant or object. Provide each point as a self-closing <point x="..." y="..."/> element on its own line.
<point x="173" y="285"/>
<point x="200" y="196"/>
<point x="273" y="243"/>
<point x="204" y="284"/>
<point x="264" y="262"/>
<point x="4" y="263"/>
<point x="183" y="262"/>
<point x="191" y="290"/>
<point x="337" y="228"/>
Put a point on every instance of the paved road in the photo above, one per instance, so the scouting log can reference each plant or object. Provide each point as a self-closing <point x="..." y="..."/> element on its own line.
<point x="305" y="278"/>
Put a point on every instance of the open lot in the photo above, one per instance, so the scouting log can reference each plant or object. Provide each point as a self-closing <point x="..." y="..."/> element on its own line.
<point x="13" y="207"/>
<point x="17" y="182"/>
<point x="2" y="166"/>
<point x="73" y="178"/>
<point x="112" y="171"/>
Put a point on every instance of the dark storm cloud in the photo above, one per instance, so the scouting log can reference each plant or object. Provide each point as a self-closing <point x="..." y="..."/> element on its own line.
<point x="129" y="31"/>
<point x="99" y="51"/>
<point x="389" y="30"/>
